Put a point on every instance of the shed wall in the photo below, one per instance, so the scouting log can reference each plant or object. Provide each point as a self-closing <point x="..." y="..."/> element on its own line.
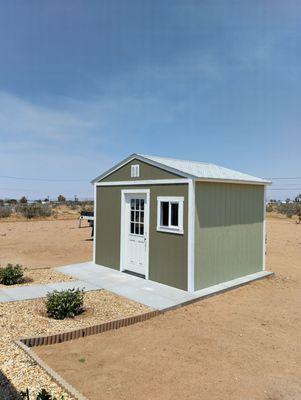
<point x="167" y="251"/>
<point x="228" y="232"/>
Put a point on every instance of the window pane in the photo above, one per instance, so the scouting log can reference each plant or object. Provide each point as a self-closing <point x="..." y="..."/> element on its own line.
<point x="132" y="216"/>
<point x="142" y="216"/>
<point x="137" y="229"/>
<point x="132" y="204"/>
<point x="142" y="204"/>
<point x="141" y="229"/>
<point x="137" y="216"/>
<point x="174" y="217"/>
<point x="132" y="228"/>
<point x="164" y="213"/>
<point x="137" y="204"/>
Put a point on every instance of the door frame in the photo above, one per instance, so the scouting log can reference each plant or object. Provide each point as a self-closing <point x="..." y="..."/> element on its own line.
<point x="123" y="225"/>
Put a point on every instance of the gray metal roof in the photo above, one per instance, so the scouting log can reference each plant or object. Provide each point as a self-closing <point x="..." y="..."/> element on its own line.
<point x="189" y="169"/>
<point x="204" y="170"/>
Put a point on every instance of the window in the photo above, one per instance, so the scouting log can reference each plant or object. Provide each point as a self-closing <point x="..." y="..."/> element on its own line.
<point x="170" y="214"/>
<point x="135" y="171"/>
<point x="137" y="217"/>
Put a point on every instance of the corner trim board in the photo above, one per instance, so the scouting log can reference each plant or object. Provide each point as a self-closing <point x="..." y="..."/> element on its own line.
<point x="191" y="235"/>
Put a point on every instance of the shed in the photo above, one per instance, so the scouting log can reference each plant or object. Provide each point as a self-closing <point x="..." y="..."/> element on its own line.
<point x="186" y="224"/>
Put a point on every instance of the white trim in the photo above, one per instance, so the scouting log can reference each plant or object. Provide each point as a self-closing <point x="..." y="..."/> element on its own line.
<point x="170" y="229"/>
<point x="142" y="182"/>
<point x="240" y="182"/>
<point x="94" y="225"/>
<point x="264" y="231"/>
<point x="191" y="234"/>
<point x="124" y="192"/>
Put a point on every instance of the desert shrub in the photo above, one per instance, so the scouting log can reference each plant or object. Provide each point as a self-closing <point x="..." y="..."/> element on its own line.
<point x="11" y="274"/>
<point x="5" y="211"/>
<point x="65" y="303"/>
<point x="23" y="200"/>
<point x="34" y="210"/>
<point x="42" y="395"/>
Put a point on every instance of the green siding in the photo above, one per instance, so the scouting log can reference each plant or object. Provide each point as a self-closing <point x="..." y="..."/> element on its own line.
<point x="167" y="251"/>
<point x="228" y="232"/>
<point x="147" y="172"/>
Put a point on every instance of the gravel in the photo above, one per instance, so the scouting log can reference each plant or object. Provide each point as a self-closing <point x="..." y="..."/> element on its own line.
<point x="28" y="318"/>
<point x="41" y="275"/>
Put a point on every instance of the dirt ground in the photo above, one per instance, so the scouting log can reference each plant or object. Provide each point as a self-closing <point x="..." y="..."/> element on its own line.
<point x="244" y="344"/>
<point x="44" y="243"/>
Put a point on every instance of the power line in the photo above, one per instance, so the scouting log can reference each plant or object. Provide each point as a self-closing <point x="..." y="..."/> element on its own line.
<point x="42" y="179"/>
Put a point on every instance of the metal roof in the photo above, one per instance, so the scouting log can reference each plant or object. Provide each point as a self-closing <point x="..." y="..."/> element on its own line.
<point x="204" y="170"/>
<point x="190" y="169"/>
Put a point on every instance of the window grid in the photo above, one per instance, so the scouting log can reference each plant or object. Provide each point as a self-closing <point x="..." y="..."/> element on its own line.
<point x="137" y="217"/>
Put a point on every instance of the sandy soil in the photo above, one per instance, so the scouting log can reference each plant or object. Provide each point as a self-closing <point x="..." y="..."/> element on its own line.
<point x="46" y="243"/>
<point x="244" y="344"/>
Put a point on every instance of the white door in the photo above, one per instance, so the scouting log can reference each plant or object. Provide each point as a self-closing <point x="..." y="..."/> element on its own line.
<point x="136" y="235"/>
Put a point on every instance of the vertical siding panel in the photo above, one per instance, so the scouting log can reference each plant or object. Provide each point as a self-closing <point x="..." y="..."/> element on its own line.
<point x="228" y="232"/>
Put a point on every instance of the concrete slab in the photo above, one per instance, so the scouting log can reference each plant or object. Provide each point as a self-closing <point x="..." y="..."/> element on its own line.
<point x="95" y="277"/>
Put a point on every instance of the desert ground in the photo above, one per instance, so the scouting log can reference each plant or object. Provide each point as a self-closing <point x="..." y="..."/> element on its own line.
<point x="44" y="243"/>
<point x="243" y="344"/>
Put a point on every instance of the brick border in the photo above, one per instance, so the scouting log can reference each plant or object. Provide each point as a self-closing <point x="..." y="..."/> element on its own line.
<point x="26" y="343"/>
<point x="90" y="330"/>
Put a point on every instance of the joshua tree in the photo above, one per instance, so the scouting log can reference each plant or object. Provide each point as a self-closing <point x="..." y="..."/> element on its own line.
<point x="61" y="198"/>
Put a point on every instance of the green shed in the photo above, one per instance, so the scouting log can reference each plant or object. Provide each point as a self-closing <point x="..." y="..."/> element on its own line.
<point x="185" y="224"/>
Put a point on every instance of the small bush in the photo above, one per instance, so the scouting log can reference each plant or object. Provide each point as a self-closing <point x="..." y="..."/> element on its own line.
<point x="11" y="274"/>
<point x="5" y="211"/>
<point x="65" y="303"/>
<point x="42" y="395"/>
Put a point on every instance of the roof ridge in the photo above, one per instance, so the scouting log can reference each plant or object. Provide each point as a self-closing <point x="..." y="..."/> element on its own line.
<point x="176" y="159"/>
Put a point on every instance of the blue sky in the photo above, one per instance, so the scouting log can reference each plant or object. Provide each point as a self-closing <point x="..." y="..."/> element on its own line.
<point x="83" y="84"/>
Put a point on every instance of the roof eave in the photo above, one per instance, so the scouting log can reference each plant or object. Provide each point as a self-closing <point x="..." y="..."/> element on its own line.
<point x="240" y="181"/>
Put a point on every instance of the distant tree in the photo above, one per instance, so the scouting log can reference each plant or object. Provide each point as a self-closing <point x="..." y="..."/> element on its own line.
<point x="23" y="200"/>
<point x="1" y="202"/>
<point x="287" y="200"/>
<point x="46" y="199"/>
<point x="61" y="198"/>
<point x="298" y="198"/>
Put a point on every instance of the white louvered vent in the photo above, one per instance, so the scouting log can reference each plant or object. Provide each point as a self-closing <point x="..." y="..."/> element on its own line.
<point x="135" y="171"/>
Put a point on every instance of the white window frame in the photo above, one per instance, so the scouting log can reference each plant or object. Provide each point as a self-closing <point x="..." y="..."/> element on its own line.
<point x="135" y="171"/>
<point x="170" y="229"/>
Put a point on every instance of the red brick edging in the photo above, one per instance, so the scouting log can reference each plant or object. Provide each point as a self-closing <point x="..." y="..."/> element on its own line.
<point x="90" y="330"/>
<point x="26" y="344"/>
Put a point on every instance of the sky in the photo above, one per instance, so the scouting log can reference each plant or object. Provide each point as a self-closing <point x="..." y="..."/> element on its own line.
<point x="84" y="84"/>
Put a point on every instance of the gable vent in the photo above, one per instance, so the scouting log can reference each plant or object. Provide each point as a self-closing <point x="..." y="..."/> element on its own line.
<point x="135" y="171"/>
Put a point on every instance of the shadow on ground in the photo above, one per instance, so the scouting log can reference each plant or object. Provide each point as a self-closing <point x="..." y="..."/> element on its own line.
<point x="7" y="389"/>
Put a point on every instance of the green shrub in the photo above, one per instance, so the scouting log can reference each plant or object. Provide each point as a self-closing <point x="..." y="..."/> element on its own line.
<point x="11" y="274"/>
<point x="34" y="210"/>
<point x="65" y="303"/>
<point x="42" y="395"/>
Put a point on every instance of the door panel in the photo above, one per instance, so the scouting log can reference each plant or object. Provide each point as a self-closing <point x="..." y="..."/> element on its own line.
<point x="136" y="233"/>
